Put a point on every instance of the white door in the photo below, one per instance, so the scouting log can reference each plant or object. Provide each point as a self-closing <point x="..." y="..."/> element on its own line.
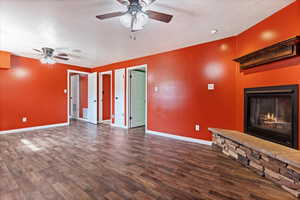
<point x="137" y="98"/>
<point x="74" y="97"/>
<point x="119" y="97"/>
<point x="92" y="98"/>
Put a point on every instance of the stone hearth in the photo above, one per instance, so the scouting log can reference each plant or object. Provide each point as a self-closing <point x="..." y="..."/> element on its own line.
<point x="275" y="162"/>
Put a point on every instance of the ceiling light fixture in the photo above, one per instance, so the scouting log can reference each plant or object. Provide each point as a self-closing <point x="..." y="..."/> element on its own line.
<point x="214" y="31"/>
<point x="137" y="14"/>
<point x="136" y="21"/>
<point x="48" y="60"/>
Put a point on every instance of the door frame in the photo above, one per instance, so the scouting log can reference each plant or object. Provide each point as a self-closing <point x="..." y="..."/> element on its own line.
<point x="100" y="83"/>
<point x="69" y="71"/>
<point x="145" y="66"/>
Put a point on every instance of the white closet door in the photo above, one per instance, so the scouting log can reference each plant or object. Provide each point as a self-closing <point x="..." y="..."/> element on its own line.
<point x="119" y="97"/>
<point x="92" y="98"/>
<point x="137" y="98"/>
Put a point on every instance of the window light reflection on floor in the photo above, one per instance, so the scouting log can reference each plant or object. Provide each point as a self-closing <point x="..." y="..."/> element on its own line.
<point x="30" y="145"/>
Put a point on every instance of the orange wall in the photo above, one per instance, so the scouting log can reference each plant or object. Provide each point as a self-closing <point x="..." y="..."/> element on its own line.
<point x="183" y="99"/>
<point x="280" y="26"/>
<point x="30" y="89"/>
<point x="106" y="81"/>
<point x="83" y="83"/>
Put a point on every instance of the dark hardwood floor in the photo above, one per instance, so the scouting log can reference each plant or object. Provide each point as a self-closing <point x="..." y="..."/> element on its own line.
<point x="85" y="161"/>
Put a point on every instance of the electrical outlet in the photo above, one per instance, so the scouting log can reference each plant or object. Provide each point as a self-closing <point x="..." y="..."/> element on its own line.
<point x="197" y="127"/>
<point x="24" y="119"/>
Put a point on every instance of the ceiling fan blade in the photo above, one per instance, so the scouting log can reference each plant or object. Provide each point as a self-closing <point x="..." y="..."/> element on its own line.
<point x="124" y="2"/>
<point x="62" y="54"/>
<point x="61" y="58"/>
<point x="159" y="16"/>
<point x="37" y="50"/>
<point x="110" y="15"/>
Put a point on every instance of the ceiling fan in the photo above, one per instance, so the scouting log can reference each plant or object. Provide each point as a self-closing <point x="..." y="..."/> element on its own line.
<point x="48" y="55"/>
<point x="137" y="14"/>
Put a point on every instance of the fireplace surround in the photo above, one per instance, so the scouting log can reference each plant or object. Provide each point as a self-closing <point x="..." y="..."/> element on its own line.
<point x="271" y="113"/>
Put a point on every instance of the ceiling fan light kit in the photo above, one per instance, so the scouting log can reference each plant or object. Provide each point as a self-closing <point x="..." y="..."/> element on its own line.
<point x="135" y="22"/>
<point x="48" y="55"/>
<point x="137" y="14"/>
<point x="47" y="60"/>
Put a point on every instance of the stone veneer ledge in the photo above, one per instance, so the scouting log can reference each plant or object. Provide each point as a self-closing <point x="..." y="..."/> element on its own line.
<point x="275" y="162"/>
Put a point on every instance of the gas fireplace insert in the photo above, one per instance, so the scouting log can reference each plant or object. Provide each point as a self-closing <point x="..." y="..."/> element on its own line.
<point x="271" y="113"/>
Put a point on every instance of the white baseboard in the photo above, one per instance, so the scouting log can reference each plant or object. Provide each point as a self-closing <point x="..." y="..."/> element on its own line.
<point x="105" y="121"/>
<point x="119" y="126"/>
<point x="82" y="119"/>
<point x="176" y="137"/>
<point x="32" y="128"/>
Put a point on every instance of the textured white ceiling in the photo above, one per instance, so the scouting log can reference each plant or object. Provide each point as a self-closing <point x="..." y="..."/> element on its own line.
<point x="71" y="26"/>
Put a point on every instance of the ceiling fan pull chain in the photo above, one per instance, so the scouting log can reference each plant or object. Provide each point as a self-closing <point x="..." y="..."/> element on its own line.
<point x="132" y="35"/>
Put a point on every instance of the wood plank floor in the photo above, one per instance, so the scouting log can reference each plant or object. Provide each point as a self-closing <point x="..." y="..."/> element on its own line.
<point x="85" y="161"/>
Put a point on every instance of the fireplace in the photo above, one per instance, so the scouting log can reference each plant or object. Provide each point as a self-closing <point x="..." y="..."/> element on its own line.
<point x="271" y="113"/>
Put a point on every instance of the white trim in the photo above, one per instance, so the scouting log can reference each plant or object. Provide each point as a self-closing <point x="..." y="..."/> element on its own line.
<point x="100" y="114"/>
<point x="69" y="71"/>
<point x="32" y="128"/>
<point x="176" y="137"/>
<point x="118" y="126"/>
<point x="145" y="66"/>
<point x="106" y="72"/>
<point x="78" y="72"/>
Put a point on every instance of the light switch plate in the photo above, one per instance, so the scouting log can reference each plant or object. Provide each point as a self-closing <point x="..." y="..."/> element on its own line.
<point x="65" y="91"/>
<point x="197" y="127"/>
<point x="211" y="86"/>
<point x="155" y="89"/>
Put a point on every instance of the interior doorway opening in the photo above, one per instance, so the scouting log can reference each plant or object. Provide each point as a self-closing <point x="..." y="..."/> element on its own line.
<point x="82" y="102"/>
<point x="137" y="96"/>
<point x="78" y="99"/>
<point x="105" y="97"/>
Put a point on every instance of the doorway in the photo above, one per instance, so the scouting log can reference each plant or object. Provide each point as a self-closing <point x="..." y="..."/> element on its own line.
<point x="137" y="96"/>
<point x="78" y="96"/>
<point x="74" y="96"/>
<point x="82" y="96"/>
<point x="105" y="97"/>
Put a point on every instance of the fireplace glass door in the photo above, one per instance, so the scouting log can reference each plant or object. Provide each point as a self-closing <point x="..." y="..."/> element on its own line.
<point x="271" y="115"/>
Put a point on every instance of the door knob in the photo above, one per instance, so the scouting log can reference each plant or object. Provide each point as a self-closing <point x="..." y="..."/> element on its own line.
<point x="117" y="98"/>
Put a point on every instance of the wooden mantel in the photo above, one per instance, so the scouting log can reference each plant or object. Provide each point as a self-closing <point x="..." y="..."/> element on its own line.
<point x="282" y="50"/>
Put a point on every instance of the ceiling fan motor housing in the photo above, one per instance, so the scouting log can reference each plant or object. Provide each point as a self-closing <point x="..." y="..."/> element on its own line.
<point x="48" y="52"/>
<point x="134" y="7"/>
